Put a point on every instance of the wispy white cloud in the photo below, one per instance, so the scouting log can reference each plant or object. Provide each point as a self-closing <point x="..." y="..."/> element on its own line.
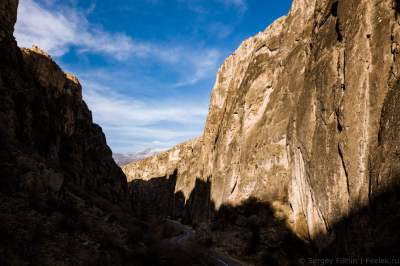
<point x="138" y="124"/>
<point x="187" y="65"/>
<point x="108" y="105"/>
<point x="237" y="3"/>
<point x="63" y="27"/>
<point x="204" y="64"/>
<point x="241" y="5"/>
<point x="220" y="30"/>
<point x="199" y="6"/>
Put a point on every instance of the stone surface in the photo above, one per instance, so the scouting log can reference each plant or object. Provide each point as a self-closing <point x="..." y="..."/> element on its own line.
<point x="58" y="181"/>
<point x="8" y="17"/>
<point x="304" y="114"/>
<point x="164" y="164"/>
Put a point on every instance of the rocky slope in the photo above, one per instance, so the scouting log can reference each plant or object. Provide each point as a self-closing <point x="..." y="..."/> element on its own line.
<point x="303" y="118"/>
<point x="63" y="200"/>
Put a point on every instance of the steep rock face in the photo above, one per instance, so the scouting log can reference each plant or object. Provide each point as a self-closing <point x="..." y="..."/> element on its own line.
<point x="249" y="83"/>
<point x="303" y="114"/>
<point x="62" y="197"/>
<point x="335" y="128"/>
<point x="8" y="17"/>
<point x="46" y="117"/>
<point x="155" y="187"/>
<point x="243" y="151"/>
<point x="180" y="158"/>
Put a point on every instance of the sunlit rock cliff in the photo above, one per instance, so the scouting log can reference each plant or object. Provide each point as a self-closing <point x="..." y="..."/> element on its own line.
<point x="303" y="116"/>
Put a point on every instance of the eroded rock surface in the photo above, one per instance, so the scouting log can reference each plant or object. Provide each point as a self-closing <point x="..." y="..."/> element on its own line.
<point x="303" y="114"/>
<point x="63" y="200"/>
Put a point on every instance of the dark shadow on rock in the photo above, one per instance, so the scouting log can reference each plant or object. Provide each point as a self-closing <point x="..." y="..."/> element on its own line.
<point x="199" y="208"/>
<point x="372" y="231"/>
<point x="156" y="198"/>
<point x="397" y="6"/>
<point x="253" y="232"/>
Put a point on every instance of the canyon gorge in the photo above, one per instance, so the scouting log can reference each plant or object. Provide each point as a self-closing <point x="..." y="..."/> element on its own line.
<point x="303" y="118"/>
<point x="299" y="157"/>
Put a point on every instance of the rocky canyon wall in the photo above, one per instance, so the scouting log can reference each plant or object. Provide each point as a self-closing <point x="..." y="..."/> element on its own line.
<point x="63" y="200"/>
<point x="303" y="114"/>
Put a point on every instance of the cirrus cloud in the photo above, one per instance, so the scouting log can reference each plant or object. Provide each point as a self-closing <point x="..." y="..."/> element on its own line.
<point x="61" y="28"/>
<point x="137" y="124"/>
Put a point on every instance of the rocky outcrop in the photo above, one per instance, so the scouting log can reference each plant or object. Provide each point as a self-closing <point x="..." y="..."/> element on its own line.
<point x="303" y="114"/>
<point x="8" y="17"/>
<point x="63" y="200"/>
<point x="47" y="117"/>
<point x="180" y="158"/>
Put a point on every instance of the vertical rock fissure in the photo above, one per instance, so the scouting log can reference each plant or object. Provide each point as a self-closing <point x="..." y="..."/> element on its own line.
<point x="338" y="31"/>
<point x="334" y="9"/>
<point x="341" y="69"/>
<point x="344" y="168"/>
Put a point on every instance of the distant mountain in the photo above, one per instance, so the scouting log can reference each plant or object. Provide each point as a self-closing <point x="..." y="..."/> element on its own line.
<point x="125" y="158"/>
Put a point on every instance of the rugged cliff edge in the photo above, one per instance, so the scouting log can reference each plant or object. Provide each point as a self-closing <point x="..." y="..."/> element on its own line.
<point x="303" y="117"/>
<point x="63" y="200"/>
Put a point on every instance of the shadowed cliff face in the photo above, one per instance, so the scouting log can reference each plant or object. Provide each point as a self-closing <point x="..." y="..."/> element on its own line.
<point x="260" y="233"/>
<point x="303" y="114"/>
<point x="256" y="232"/>
<point x="47" y="127"/>
<point x="63" y="200"/>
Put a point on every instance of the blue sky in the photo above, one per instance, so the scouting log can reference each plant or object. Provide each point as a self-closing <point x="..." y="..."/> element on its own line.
<point x="147" y="66"/>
